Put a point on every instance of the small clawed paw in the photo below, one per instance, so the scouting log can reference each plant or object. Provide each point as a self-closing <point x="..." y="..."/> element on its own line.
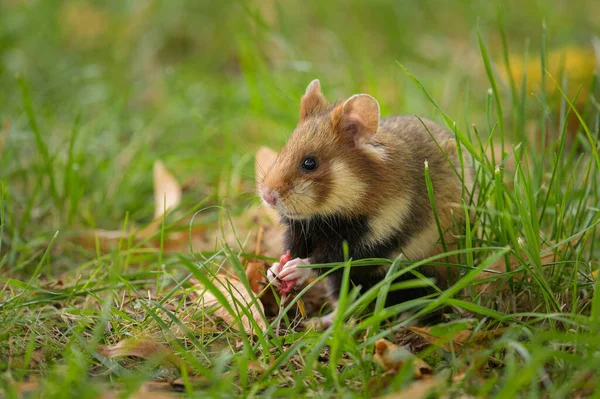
<point x="291" y="272"/>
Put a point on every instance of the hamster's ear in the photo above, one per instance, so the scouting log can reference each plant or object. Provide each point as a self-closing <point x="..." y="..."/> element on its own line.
<point x="313" y="100"/>
<point x="360" y="117"/>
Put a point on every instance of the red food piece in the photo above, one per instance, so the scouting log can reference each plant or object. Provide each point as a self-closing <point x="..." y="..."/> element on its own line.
<point x="284" y="259"/>
<point x="286" y="286"/>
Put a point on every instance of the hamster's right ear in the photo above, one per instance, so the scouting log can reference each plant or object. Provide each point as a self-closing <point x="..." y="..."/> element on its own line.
<point x="358" y="116"/>
<point x="313" y="100"/>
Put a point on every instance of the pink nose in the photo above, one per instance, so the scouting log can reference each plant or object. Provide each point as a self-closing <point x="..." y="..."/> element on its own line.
<point x="270" y="196"/>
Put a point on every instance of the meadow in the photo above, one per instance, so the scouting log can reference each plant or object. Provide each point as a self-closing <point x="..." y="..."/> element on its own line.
<point x="97" y="99"/>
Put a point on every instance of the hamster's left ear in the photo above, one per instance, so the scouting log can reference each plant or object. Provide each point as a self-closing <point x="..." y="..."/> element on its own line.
<point x="360" y="117"/>
<point x="313" y="100"/>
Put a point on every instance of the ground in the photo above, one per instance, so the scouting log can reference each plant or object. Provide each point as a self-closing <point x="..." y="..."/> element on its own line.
<point x="98" y="96"/>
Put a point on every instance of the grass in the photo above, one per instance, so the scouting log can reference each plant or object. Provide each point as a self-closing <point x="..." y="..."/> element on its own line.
<point x="93" y="94"/>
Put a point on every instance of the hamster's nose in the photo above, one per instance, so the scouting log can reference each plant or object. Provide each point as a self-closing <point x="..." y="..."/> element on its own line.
<point x="269" y="196"/>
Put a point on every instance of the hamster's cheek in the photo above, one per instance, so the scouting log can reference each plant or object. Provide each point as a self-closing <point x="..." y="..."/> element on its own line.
<point x="345" y="190"/>
<point x="302" y="199"/>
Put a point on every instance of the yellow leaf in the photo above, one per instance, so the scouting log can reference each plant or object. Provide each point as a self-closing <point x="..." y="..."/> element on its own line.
<point x="577" y="63"/>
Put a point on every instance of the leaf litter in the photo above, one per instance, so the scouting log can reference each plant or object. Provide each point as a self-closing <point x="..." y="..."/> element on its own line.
<point x="453" y="341"/>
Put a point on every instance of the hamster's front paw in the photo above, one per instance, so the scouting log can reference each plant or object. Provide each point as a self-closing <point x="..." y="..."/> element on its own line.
<point x="292" y="276"/>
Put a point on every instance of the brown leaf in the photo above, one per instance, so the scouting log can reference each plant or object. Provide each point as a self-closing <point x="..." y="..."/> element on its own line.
<point x="432" y="339"/>
<point x="144" y="348"/>
<point x="167" y="196"/>
<point x="391" y="358"/>
<point x="457" y="340"/>
<point x="255" y="271"/>
<point x="167" y="191"/>
<point x="237" y="295"/>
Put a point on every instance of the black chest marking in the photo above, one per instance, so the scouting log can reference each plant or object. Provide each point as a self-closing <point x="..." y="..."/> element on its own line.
<point x="321" y="240"/>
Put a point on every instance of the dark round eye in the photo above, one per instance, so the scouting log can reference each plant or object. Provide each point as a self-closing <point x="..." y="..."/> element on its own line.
<point x="309" y="164"/>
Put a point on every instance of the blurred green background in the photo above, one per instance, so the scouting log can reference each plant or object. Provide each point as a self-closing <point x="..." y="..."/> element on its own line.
<point x="202" y="84"/>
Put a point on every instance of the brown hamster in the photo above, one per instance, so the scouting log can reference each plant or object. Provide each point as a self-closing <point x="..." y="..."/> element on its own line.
<point x="347" y="175"/>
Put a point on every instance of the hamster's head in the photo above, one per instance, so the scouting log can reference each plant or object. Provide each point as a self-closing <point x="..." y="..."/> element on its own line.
<point x="323" y="169"/>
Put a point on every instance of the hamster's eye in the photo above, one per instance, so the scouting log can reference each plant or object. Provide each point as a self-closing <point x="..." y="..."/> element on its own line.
<point x="309" y="164"/>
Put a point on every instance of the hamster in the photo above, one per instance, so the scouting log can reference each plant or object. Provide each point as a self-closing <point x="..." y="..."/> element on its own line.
<point x="345" y="175"/>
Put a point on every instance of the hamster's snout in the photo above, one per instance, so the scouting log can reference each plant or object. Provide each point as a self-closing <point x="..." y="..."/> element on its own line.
<point x="269" y="195"/>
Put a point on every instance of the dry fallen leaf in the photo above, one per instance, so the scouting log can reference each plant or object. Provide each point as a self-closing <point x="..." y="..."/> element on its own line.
<point x="255" y="271"/>
<point x="392" y="358"/>
<point x="167" y="191"/>
<point x="167" y="196"/>
<point x="237" y="295"/>
<point x="144" y="348"/>
<point x="457" y="339"/>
